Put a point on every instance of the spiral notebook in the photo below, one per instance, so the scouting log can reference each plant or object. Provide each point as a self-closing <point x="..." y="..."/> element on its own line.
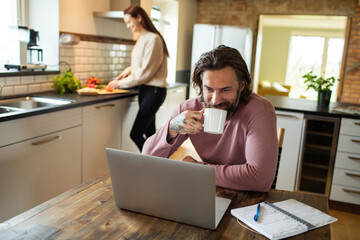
<point x="282" y="219"/>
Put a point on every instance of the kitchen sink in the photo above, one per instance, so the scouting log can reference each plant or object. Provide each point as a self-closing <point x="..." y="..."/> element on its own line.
<point x="28" y="103"/>
<point x="6" y="110"/>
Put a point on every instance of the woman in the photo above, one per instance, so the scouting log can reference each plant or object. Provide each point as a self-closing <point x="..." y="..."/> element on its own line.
<point x="148" y="70"/>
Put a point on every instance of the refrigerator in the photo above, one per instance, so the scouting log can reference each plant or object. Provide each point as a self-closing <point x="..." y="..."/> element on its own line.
<point x="207" y="37"/>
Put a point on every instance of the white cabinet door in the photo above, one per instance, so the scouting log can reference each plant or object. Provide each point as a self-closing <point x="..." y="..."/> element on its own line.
<point x="293" y="125"/>
<point x="36" y="170"/>
<point x="101" y="129"/>
<point x="129" y="112"/>
<point x="174" y="97"/>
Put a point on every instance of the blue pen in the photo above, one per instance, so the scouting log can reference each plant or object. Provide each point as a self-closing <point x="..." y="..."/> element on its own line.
<point x="256" y="216"/>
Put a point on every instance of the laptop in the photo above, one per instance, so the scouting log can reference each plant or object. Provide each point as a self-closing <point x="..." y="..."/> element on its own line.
<point x="174" y="190"/>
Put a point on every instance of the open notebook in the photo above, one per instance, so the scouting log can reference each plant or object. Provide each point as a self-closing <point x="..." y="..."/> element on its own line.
<point x="282" y="219"/>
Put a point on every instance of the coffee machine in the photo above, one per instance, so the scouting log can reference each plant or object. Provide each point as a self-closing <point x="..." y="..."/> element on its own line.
<point x="31" y="56"/>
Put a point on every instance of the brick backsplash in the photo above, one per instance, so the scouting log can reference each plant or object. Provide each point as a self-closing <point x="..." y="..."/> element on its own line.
<point x="102" y="60"/>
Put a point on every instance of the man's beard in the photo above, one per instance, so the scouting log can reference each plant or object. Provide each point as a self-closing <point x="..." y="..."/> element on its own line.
<point x="230" y="107"/>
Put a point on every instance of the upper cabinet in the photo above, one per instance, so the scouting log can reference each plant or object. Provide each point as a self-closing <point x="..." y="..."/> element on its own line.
<point x="31" y="44"/>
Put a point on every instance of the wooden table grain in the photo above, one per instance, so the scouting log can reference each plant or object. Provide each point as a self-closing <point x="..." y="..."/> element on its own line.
<point x="88" y="211"/>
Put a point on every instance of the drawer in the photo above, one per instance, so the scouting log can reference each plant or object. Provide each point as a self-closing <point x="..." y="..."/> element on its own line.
<point x="347" y="161"/>
<point x="346" y="177"/>
<point x="350" y="127"/>
<point x="349" y="144"/>
<point x="30" y="127"/>
<point x="100" y="108"/>
<point x="345" y="194"/>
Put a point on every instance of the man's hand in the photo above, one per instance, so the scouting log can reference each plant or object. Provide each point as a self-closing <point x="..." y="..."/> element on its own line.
<point x="187" y="122"/>
<point x="189" y="159"/>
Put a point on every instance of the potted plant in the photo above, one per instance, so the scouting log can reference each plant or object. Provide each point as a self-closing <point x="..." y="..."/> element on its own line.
<point x="66" y="83"/>
<point x="321" y="85"/>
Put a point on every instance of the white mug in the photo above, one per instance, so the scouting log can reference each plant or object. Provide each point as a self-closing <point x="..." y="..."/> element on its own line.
<point x="214" y="120"/>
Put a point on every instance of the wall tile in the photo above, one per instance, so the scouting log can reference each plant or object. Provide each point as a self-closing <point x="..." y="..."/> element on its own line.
<point x="83" y="44"/>
<point x="7" y="91"/>
<point x="27" y="79"/>
<point x="21" y="89"/>
<point x="45" y="87"/>
<point x="13" y="80"/>
<point x="41" y="78"/>
<point x="34" y="88"/>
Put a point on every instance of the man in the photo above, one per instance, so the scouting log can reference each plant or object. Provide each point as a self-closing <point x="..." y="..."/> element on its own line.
<point x="245" y="155"/>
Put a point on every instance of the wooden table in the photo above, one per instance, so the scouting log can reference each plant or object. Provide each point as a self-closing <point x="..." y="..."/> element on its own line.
<point x="88" y="211"/>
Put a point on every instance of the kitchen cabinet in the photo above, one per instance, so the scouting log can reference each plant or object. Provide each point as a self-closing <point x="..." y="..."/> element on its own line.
<point x="174" y="97"/>
<point x="129" y="112"/>
<point x="318" y="154"/>
<point x="101" y="129"/>
<point x="293" y="124"/>
<point x="40" y="158"/>
<point x="346" y="179"/>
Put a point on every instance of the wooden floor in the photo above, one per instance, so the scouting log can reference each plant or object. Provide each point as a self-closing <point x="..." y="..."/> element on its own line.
<point x="346" y="228"/>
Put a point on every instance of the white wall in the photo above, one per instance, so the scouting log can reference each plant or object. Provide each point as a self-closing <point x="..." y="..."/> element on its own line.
<point x="77" y="17"/>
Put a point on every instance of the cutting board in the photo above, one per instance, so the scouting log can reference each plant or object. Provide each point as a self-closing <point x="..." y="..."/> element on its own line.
<point x="115" y="91"/>
<point x="100" y="92"/>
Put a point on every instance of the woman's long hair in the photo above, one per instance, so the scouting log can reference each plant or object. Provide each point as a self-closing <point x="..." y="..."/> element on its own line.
<point x="134" y="11"/>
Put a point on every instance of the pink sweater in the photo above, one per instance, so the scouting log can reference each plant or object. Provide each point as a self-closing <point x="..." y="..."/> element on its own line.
<point x="244" y="156"/>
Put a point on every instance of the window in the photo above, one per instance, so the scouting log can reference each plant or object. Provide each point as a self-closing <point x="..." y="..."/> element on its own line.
<point x="156" y="17"/>
<point x="9" y="42"/>
<point x="320" y="54"/>
<point x="164" y="15"/>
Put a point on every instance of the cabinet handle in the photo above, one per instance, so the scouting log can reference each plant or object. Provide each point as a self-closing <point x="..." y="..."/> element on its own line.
<point x="355" y="140"/>
<point x="357" y="123"/>
<point x="353" y="158"/>
<point x="285" y="115"/>
<point x="45" y="140"/>
<point x="350" y="191"/>
<point x="105" y="106"/>
<point x="352" y="175"/>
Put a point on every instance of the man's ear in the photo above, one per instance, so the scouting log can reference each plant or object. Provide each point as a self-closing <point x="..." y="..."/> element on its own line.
<point x="242" y="86"/>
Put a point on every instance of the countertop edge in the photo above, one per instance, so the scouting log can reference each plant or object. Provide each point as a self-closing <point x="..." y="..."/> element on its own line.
<point x="79" y="101"/>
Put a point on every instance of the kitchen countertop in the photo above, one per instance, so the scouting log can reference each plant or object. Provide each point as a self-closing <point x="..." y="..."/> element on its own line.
<point x="78" y="101"/>
<point x="306" y="106"/>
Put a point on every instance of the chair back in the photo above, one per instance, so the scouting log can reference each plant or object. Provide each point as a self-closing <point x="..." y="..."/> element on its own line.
<point x="280" y="135"/>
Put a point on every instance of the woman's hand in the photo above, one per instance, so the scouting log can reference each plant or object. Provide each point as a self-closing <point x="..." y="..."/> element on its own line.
<point x="112" y="85"/>
<point x="124" y="74"/>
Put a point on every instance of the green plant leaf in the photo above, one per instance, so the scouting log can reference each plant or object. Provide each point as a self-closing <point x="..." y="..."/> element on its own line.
<point x="66" y="83"/>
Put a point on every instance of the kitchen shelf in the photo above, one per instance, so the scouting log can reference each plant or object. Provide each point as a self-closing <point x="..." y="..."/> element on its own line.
<point x="318" y="154"/>
<point x="319" y="134"/>
<point x="316" y="165"/>
<point x="316" y="179"/>
<point x="319" y="147"/>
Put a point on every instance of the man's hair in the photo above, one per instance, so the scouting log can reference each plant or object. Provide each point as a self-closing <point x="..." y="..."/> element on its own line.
<point x="217" y="59"/>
